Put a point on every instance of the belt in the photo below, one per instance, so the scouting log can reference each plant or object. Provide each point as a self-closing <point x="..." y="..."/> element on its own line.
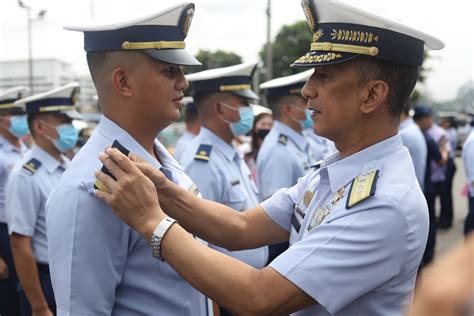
<point x="42" y="268"/>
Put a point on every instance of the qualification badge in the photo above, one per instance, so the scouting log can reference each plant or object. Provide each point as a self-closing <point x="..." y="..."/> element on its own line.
<point x="318" y="216"/>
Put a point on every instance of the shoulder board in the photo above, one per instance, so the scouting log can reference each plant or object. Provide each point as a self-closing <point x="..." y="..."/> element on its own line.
<point x="32" y="165"/>
<point x="203" y="153"/>
<point x="362" y="187"/>
<point x="283" y="139"/>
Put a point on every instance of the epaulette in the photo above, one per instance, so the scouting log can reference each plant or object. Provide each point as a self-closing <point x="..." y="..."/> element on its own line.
<point x="283" y="139"/>
<point x="32" y="165"/>
<point x="203" y="153"/>
<point x="362" y="187"/>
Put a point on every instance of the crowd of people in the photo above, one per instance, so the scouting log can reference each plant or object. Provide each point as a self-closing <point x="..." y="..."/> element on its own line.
<point x="322" y="204"/>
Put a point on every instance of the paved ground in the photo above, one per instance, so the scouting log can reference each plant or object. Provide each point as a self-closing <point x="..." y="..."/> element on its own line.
<point x="448" y="238"/>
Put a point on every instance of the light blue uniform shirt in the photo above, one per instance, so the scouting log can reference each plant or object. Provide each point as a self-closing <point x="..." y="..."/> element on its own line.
<point x="284" y="157"/>
<point x="9" y="156"/>
<point x="26" y="193"/>
<point x="468" y="159"/>
<point x="414" y="141"/>
<point x="321" y="147"/>
<point x="99" y="266"/>
<point x="361" y="260"/>
<point x="226" y="179"/>
<point x="182" y="145"/>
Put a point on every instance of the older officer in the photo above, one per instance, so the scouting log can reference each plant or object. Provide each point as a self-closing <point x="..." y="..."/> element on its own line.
<point x="99" y="265"/>
<point x="13" y="126"/>
<point x="50" y="115"/>
<point x="222" y="97"/>
<point x="357" y="225"/>
<point x="468" y="159"/>
<point x="414" y="141"/>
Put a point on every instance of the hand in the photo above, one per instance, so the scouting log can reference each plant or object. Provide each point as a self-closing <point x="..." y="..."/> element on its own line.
<point x="3" y="269"/>
<point x="155" y="175"/>
<point x="133" y="197"/>
<point x="42" y="311"/>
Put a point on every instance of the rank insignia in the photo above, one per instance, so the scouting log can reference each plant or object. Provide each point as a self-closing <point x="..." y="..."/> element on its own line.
<point x="203" y="153"/>
<point x="362" y="187"/>
<point x="283" y="139"/>
<point x="32" y="165"/>
<point x="308" y="196"/>
<point x="338" y="196"/>
<point x="318" y="217"/>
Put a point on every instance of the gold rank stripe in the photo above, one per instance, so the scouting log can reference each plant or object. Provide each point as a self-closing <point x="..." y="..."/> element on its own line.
<point x="362" y="188"/>
<point x="101" y="186"/>
<point x="7" y="106"/>
<point x="295" y="91"/>
<point x="345" y="48"/>
<point x="30" y="168"/>
<point x="154" y="45"/>
<point x="206" y="158"/>
<point x="235" y="87"/>
<point x="56" y="108"/>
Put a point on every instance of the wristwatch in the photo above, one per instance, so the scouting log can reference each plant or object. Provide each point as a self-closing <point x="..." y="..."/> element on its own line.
<point x="158" y="235"/>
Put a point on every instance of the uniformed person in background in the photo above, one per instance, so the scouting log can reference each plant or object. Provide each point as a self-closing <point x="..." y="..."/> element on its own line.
<point x="222" y="97"/>
<point x="50" y="116"/>
<point x="13" y="126"/>
<point x="100" y="266"/>
<point x="192" y="125"/>
<point x="414" y="141"/>
<point x="468" y="159"/>
<point x="357" y="225"/>
<point x="286" y="153"/>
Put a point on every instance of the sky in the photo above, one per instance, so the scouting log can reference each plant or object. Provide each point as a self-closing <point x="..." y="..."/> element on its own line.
<point x="239" y="26"/>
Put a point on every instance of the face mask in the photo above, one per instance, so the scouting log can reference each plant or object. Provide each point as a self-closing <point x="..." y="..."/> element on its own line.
<point x="18" y="126"/>
<point x="262" y="133"/>
<point x="244" y="125"/>
<point x="68" y="136"/>
<point x="307" y="123"/>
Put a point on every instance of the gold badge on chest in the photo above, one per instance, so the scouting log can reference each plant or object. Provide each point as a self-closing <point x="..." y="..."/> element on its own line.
<point x="308" y="196"/>
<point x="338" y="196"/>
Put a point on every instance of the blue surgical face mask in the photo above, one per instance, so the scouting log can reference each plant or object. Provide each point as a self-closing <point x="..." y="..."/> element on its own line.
<point x="307" y="123"/>
<point x="68" y="136"/>
<point x="18" y="126"/>
<point x="244" y="125"/>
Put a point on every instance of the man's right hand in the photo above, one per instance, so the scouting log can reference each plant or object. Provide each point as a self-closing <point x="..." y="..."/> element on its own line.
<point x="3" y="269"/>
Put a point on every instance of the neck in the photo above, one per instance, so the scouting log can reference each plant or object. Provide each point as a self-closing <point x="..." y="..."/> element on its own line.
<point x="223" y="132"/>
<point x="288" y="121"/>
<point x="193" y="128"/>
<point x="48" y="147"/>
<point x="10" y="137"/>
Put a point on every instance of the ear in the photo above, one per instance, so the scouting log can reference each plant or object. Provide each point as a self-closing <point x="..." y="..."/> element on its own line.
<point x="376" y="95"/>
<point x="121" y="82"/>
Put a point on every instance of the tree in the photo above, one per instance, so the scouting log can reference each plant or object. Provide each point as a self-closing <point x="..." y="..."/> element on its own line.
<point x="211" y="60"/>
<point x="291" y="42"/>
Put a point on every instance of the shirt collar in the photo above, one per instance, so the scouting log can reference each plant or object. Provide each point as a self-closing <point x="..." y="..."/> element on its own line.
<point x="406" y="123"/>
<point x="48" y="161"/>
<point x="342" y="171"/>
<point x="295" y="137"/>
<point x="218" y="143"/>
<point x="7" y="146"/>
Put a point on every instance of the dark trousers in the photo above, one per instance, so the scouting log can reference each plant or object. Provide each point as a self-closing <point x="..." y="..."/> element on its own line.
<point x="440" y="189"/>
<point x="430" y="244"/>
<point x="45" y="281"/>
<point x="446" y="215"/>
<point x="469" y="223"/>
<point x="9" y="301"/>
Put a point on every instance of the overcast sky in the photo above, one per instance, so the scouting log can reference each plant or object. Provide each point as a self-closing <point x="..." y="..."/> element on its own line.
<point x="240" y="26"/>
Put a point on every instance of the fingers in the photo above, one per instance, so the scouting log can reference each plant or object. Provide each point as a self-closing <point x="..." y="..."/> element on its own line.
<point x="111" y="165"/>
<point x="121" y="160"/>
<point x="109" y="183"/>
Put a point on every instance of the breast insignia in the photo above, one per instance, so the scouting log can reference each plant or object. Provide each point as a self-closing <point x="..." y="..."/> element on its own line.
<point x="203" y="153"/>
<point x="32" y="166"/>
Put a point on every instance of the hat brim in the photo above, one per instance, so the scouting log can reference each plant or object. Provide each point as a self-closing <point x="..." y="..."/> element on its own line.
<point x="73" y="114"/>
<point x="248" y="94"/>
<point x="13" y="111"/>
<point x="173" y="56"/>
<point x="317" y="58"/>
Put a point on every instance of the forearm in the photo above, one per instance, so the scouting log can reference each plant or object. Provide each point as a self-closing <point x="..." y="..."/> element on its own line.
<point x="25" y="265"/>
<point x="211" y="221"/>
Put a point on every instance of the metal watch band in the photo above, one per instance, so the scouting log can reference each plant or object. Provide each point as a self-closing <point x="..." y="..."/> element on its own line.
<point x="158" y="235"/>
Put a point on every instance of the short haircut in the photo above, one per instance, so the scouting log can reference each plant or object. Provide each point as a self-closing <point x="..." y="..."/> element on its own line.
<point x="401" y="79"/>
<point x="276" y="102"/>
<point x="407" y="107"/>
<point x="96" y="61"/>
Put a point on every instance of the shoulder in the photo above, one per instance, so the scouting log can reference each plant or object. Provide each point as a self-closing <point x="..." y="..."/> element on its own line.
<point x="203" y="153"/>
<point x="31" y="166"/>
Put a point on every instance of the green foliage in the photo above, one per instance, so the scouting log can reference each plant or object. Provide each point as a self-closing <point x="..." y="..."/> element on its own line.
<point x="211" y="60"/>
<point x="291" y="42"/>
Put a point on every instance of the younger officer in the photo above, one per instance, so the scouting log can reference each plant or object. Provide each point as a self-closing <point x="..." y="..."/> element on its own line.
<point x="50" y="115"/>
<point x="357" y="226"/>
<point x="13" y="126"/>
<point x="222" y="97"/>
<point x="99" y="265"/>
<point x="193" y="125"/>
<point x="286" y="153"/>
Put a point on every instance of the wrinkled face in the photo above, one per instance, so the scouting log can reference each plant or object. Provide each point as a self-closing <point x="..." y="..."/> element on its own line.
<point x="334" y="95"/>
<point x="158" y="90"/>
<point x="265" y="122"/>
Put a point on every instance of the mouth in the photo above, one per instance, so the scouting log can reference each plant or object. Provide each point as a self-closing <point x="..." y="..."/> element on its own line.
<point x="178" y="99"/>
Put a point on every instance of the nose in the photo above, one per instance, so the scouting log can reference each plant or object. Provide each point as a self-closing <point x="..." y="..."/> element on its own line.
<point x="181" y="83"/>
<point x="309" y="89"/>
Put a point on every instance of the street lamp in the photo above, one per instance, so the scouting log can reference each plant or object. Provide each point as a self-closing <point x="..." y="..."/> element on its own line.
<point x="40" y="16"/>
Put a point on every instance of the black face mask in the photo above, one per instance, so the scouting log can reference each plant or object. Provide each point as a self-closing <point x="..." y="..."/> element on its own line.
<point x="261" y="133"/>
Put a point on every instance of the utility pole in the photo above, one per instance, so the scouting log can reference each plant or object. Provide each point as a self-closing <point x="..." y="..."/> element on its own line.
<point x="40" y="16"/>
<point x="269" y="50"/>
